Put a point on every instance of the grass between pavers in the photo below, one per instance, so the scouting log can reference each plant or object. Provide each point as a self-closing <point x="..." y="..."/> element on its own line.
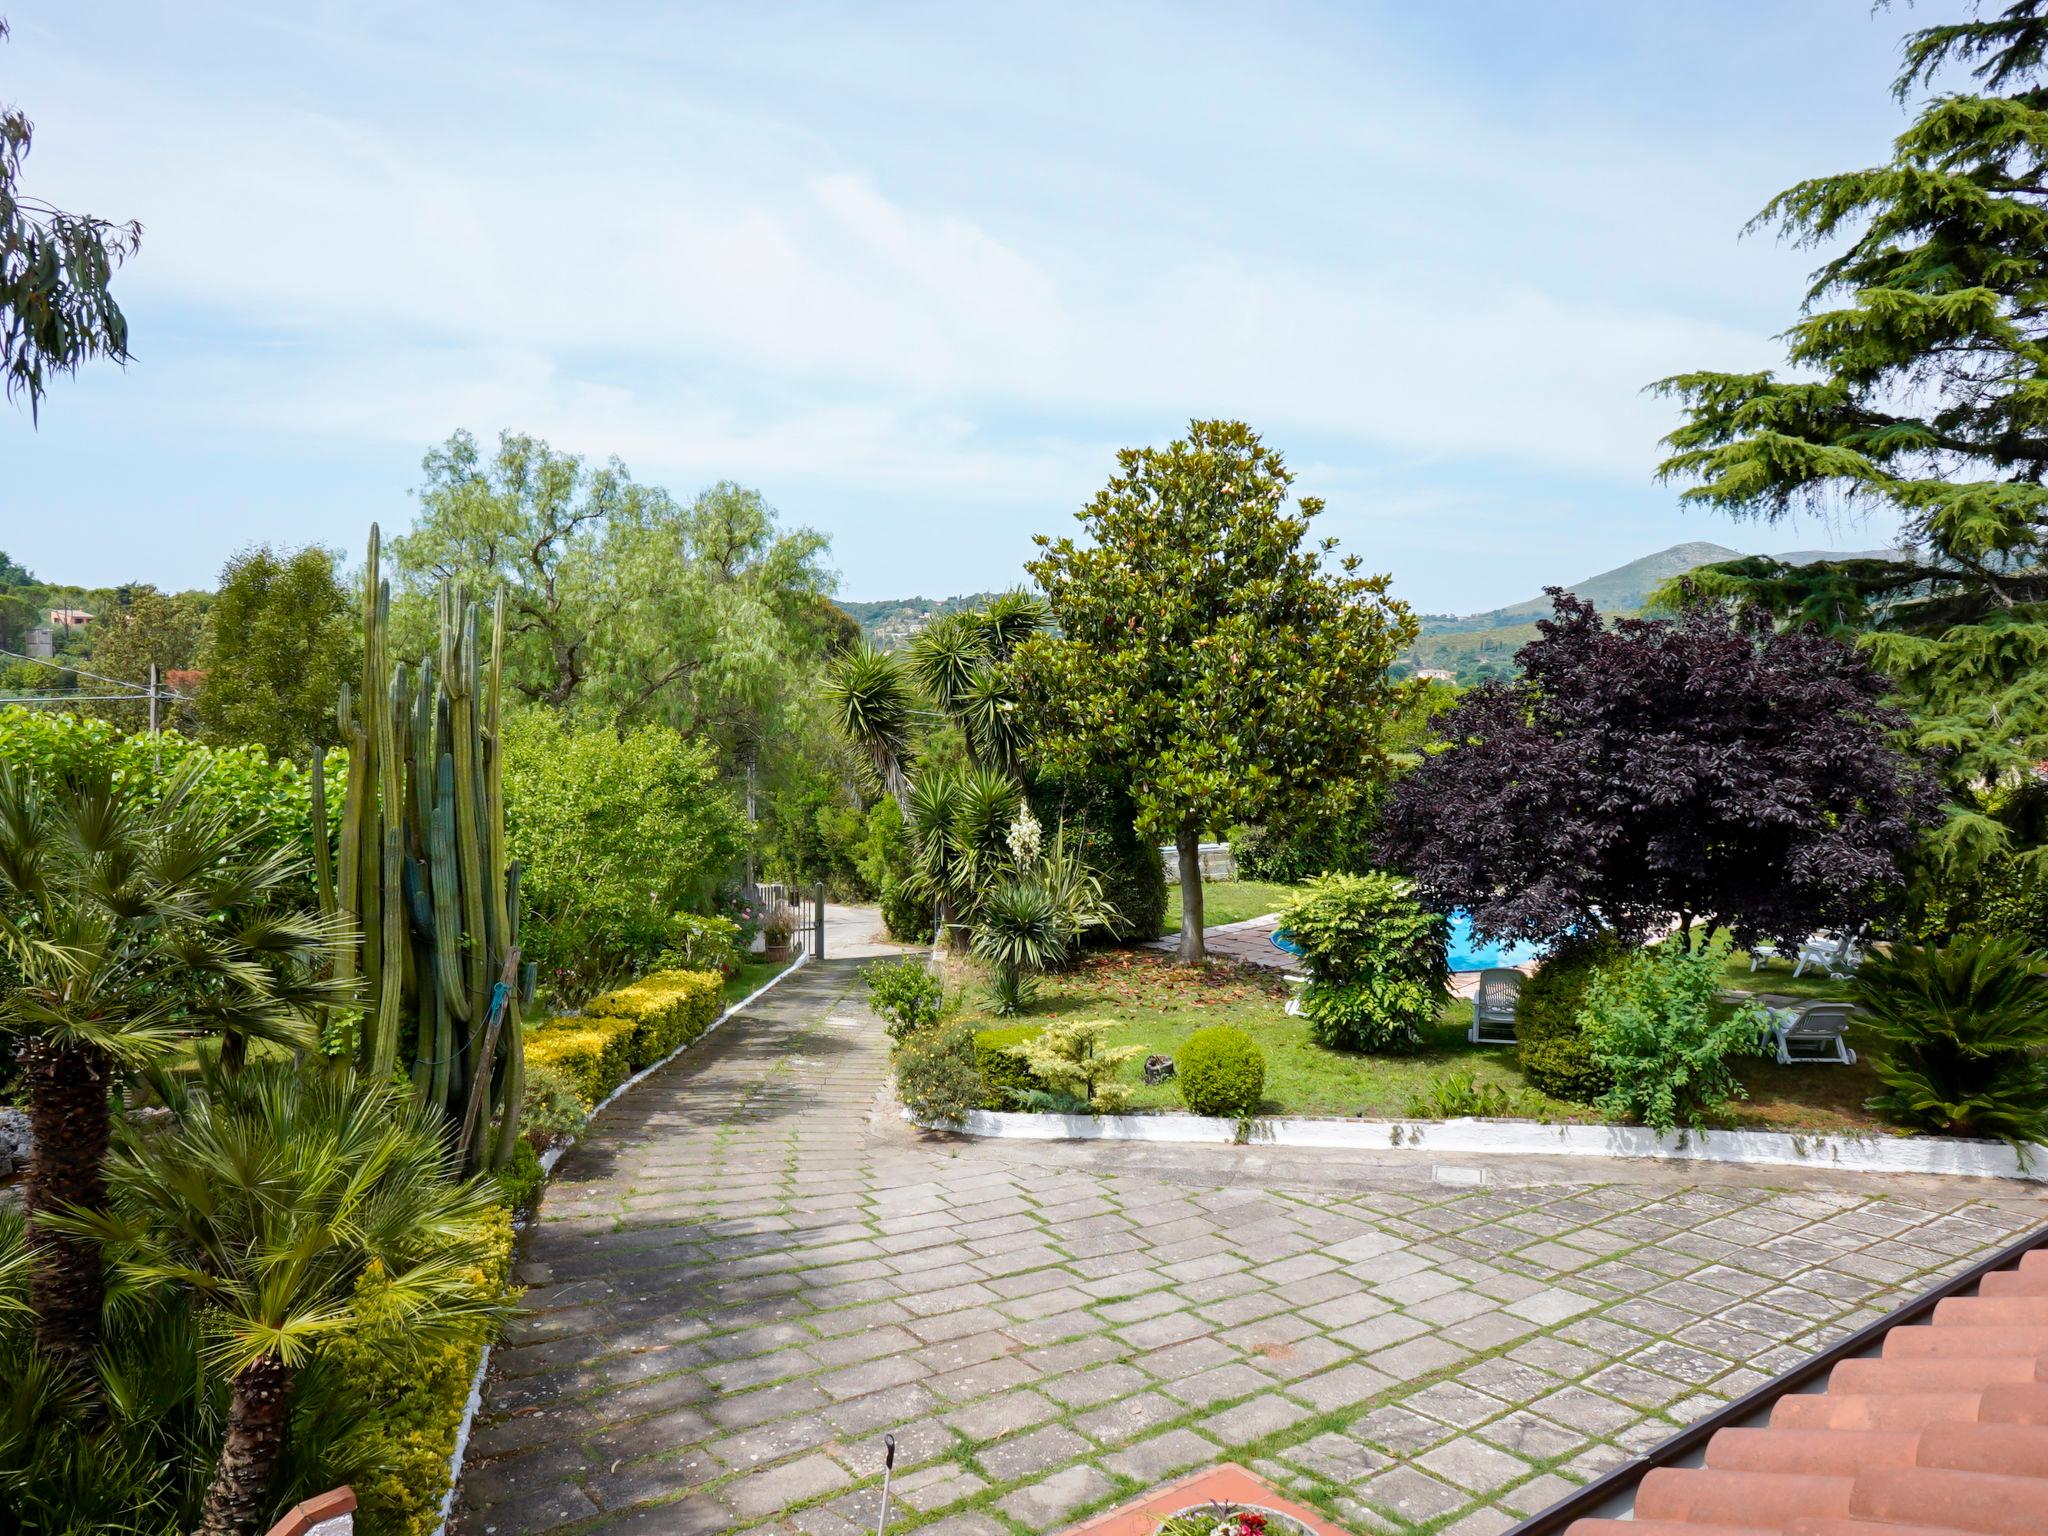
<point x="1336" y="1500"/>
<point x="1156" y="1004"/>
<point x="1231" y="901"/>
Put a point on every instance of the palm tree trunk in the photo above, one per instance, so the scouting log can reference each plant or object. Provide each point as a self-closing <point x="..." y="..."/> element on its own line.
<point x="238" y="1498"/>
<point x="67" y="1089"/>
<point x="1192" y="951"/>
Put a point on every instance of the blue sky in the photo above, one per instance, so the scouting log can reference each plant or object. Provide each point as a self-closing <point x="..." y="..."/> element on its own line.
<point x="918" y="271"/>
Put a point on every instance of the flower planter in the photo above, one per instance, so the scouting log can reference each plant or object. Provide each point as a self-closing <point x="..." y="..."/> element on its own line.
<point x="778" y="954"/>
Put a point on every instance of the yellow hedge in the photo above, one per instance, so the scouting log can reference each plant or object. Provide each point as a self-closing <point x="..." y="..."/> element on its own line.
<point x="668" y="1009"/>
<point x="595" y="1052"/>
<point x="415" y="1395"/>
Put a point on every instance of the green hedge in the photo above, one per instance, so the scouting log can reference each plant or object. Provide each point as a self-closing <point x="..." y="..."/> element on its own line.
<point x="667" y="1008"/>
<point x="1002" y="1071"/>
<point x="1555" y="1056"/>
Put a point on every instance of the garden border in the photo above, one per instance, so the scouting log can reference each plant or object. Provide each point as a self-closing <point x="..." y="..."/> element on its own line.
<point x="1834" y="1151"/>
<point x="548" y="1159"/>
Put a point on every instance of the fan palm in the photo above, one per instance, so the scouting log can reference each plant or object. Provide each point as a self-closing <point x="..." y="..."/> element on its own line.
<point x="127" y="928"/>
<point x="279" y="1191"/>
<point x="1964" y="1028"/>
<point x="870" y="701"/>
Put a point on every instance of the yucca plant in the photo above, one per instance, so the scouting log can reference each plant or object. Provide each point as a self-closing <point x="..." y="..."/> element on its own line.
<point x="947" y="655"/>
<point x="1965" y="1027"/>
<point x="1019" y="931"/>
<point x="128" y="929"/>
<point x="278" y="1190"/>
<point x="870" y="699"/>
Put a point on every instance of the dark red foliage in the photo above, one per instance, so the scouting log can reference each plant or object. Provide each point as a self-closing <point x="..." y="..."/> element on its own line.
<point x="1653" y="770"/>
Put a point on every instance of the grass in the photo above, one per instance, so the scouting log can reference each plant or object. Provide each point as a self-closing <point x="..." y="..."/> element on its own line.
<point x="751" y="977"/>
<point x="1231" y="901"/>
<point x="1155" y="1004"/>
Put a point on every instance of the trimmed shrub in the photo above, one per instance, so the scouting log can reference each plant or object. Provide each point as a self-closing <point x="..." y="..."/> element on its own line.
<point x="1964" y="1029"/>
<point x="1006" y="1074"/>
<point x="520" y="1179"/>
<point x="1553" y="1049"/>
<point x="668" y="1009"/>
<point x="1376" y="962"/>
<point x="936" y="1074"/>
<point x="1221" y="1071"/>
<point x="1657" y="1026"/>
<point x="594" y="1052"/>
<point x="412" y="1395"/>
<point x="905" y="994"/>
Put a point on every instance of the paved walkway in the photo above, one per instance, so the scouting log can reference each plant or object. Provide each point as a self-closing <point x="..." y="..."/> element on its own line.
<point x="750" y="1270"/>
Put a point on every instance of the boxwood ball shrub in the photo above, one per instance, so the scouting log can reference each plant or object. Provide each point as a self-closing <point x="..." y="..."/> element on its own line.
<point x="1554" y="1051"/>
<point x="1221" y="1071"/>
<point x="1376" y="962"/>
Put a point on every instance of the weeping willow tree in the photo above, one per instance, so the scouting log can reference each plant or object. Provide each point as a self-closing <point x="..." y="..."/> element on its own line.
<point x="1918" y="389"/>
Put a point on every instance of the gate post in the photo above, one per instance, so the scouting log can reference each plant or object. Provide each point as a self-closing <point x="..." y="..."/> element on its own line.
<point x="818" y="921"/>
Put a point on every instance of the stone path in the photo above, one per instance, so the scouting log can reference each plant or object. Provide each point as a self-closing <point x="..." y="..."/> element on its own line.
<point x="749" y="1271"/>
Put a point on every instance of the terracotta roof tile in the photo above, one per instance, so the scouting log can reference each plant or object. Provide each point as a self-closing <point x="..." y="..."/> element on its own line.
<point x="1940" y="1429"/>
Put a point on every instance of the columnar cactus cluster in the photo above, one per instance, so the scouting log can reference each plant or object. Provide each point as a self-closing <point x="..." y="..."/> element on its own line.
<point x="421" y="869"/>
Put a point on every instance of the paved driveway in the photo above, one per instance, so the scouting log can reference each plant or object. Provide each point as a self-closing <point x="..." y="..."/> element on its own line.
<point x="749" y="1272"/>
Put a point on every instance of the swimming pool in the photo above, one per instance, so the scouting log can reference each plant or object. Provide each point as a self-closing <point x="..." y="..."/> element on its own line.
<point x="1468" y="954"/>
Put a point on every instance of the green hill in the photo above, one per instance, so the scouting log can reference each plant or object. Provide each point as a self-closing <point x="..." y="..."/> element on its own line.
<point x="890" y="623"/>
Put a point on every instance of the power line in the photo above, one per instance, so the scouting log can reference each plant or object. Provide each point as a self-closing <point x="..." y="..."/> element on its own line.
<point x="118" y="682"/>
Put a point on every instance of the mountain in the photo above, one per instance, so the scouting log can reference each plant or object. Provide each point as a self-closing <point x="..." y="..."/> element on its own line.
<point x="890" y="623"/>
<point x="1480" y="645"/>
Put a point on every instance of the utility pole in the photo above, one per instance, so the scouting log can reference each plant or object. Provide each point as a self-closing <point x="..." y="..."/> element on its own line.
<point x="152" y="698"/>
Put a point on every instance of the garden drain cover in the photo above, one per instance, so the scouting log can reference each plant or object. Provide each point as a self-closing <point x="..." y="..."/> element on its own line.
<point x="1224" y="1492"/>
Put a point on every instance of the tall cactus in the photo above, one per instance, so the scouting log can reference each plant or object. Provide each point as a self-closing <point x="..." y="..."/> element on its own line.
<point x="422" y="868"/>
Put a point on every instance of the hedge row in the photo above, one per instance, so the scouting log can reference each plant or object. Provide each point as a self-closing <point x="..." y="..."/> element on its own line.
<point x="622" y="1032"/>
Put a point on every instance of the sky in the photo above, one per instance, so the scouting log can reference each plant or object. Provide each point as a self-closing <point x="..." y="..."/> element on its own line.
<point x="917" y="272"/>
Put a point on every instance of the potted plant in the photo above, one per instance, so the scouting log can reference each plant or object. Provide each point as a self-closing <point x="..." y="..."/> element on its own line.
<point x="776" y="928"/>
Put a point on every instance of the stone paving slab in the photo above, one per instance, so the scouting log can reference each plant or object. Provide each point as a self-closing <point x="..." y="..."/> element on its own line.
<point x="750" y="1271"/>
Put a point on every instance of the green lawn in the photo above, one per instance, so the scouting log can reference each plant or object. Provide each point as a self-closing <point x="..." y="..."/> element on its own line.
<point x="1231" y="901"/>
<point x="751" y="977"/>
<point x="1156" y="1004"/>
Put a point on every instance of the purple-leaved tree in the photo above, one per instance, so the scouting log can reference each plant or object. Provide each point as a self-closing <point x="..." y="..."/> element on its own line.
<point x="1658" y="771"/>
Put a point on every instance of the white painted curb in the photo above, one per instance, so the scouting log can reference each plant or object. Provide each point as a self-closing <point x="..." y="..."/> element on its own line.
<point x="1842" y="1153"/>
<point x="548" y="1159"/>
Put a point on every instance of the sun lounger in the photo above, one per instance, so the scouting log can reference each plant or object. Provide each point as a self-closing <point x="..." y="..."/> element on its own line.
<point x="1812" y="1032"/>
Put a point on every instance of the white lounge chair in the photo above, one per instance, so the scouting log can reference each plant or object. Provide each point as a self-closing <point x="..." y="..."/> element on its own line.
<point x="1493" y="1007"/>
<point x="1813" y="1032"/>
<point x="1836" y="954"/>
<point x="1761" y="954"/>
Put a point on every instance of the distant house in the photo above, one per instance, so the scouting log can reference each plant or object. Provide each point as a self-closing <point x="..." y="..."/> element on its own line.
<point x="69" y="618"/>
<point x="1436" y="675"/>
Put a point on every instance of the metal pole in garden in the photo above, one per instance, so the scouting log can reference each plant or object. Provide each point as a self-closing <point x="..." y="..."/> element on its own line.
<point x="888" y="1467"/>
<point x="818" y="921"/>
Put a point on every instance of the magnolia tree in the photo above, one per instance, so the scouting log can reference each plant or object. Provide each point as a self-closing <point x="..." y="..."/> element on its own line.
<point x="1205" y="652"/>
<point x="1660" y="771"/>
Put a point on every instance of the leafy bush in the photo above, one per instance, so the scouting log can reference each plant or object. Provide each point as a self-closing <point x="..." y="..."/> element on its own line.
<point x="1554" y="1054"/>
<point x="700" y="943"/>
<point x="667" y="1009"/>
<point x="1099" y="820"/>
<point x="594" y="1052"/>
<point x="1221" y="1071"/>
<point x="1964" y="1030"/>
<point x="1009" y="1078"/>
<point x="1068" y="1057"/>
<point x="617" y="835"/>
<point x="1658" y="1027"/>
<point x="519" y="1181"/>
<point x="905" y="993"/>
<point x="936" y="1074"/>
<point x="1376" y="962"/>
<point x="552" y="1106"/>
<point x="906" y="914"/>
